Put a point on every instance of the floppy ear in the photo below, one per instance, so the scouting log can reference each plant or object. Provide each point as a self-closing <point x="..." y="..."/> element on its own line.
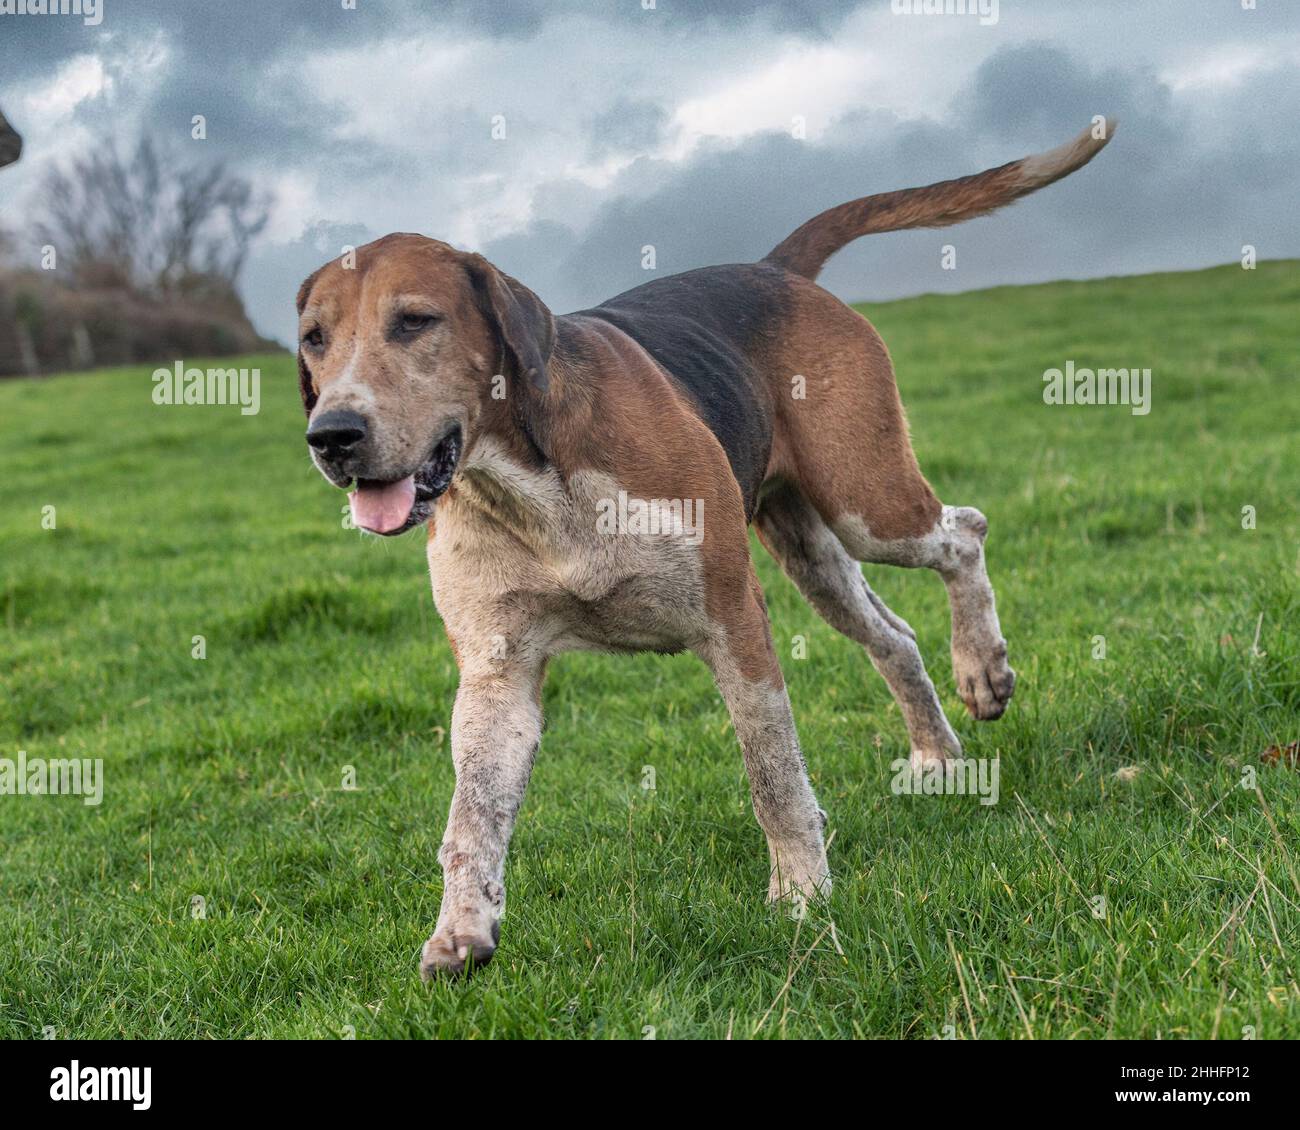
<point x="521" y="319"/>
<point x="304" y="376"/>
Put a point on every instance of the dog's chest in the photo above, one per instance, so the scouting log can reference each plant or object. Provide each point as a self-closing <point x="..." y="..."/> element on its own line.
<point x="577" y="561"/>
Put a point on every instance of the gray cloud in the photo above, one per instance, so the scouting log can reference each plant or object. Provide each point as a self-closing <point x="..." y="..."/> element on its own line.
<point x="275" y="273"/>
<point x="1198" y="168"/>
<point x="627" y="123"/>
<point x="1161" y="197"/>
<point x="237" y="35"/>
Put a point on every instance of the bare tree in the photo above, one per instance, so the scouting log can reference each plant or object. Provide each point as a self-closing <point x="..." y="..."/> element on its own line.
<point x="11" y="145"/>
<point x="151" y="222"/>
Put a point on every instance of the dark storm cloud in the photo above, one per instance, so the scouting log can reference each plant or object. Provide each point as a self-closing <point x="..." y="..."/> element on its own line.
<point x="815" y="17"/>
<point x="244" y="33"/>
<point x="1193" y="174"/>
<point x="218" y="64"/>
<point x="628" y="124"/>
<point x="235" y="35"/>
<point x="522" y="18"/>
<point x="1161" y="197"/>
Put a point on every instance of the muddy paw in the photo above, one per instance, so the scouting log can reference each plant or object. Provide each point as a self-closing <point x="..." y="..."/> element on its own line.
<point x="450" y="953"/>
<point x="985" y="683"/>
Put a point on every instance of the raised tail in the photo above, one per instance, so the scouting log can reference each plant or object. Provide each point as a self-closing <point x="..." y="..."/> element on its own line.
<point x="806" y="250"/>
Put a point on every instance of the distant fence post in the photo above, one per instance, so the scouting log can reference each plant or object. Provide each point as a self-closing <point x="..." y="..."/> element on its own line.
<point x="27" y="350"/>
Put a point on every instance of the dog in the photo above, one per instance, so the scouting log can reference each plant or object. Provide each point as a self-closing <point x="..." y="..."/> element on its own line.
<point x="555" y="461"/>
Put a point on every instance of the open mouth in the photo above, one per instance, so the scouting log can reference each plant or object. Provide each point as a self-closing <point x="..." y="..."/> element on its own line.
<point x="393" y="507"/>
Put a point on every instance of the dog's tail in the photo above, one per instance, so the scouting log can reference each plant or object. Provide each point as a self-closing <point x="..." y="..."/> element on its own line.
<point x="806" y="250"/>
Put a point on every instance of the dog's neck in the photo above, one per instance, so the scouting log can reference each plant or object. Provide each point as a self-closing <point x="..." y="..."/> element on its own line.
<point x="518" y="466"/>
<point x="541" y="426"/>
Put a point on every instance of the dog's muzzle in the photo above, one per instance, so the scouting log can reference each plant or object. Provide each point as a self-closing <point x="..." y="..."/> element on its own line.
<point x="336" y="434"/>
<point x="393" y="506"/>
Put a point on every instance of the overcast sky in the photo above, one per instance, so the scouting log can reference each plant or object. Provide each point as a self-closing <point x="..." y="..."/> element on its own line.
<point x="675" y="127"/>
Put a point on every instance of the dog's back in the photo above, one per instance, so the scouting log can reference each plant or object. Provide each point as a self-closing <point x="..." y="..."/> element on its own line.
<point x="710" y="330"/>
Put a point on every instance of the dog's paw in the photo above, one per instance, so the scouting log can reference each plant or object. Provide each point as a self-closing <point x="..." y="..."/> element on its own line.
<point x="936" y="748"/>
<point x="800" y="873"/>
<point x="452" y="953"/>
<point x="798" y="892"/>
<point x="985" y="682"/>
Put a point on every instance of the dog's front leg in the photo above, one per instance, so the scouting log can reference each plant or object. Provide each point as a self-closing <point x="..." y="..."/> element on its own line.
<point x="496" y="725"/>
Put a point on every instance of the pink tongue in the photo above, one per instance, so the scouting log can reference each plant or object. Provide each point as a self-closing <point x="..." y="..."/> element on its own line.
<point x="383" y="508"/>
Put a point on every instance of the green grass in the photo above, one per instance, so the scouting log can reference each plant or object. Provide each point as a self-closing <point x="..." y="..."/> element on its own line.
<point x="630" y="910"/>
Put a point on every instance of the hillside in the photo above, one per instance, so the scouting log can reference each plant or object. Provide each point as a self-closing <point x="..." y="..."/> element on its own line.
<point x="323" y="651"/>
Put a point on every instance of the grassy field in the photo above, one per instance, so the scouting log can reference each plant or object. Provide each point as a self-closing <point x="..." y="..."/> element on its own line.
<point x="632" y="911"/>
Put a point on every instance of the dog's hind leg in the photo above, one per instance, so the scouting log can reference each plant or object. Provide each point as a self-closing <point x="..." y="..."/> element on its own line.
<point x="744" y="665"/>
<point x="954" y="548"/>
<point x="845" y="445"/>
<point x="832" y="581"/>
<point x="984" y="679"/>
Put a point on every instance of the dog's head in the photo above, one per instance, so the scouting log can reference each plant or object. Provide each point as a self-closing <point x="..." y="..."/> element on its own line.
<point x="402" y="344"/>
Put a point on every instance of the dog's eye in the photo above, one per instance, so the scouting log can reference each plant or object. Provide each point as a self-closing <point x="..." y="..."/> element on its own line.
<point x="315" y="339"/>
<point x="414" y="323"/>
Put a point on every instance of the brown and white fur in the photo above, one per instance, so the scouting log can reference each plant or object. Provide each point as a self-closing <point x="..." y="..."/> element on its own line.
<point x="451" y="396"/>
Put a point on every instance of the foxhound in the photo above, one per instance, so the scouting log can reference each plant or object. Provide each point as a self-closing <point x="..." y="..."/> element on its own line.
<point x="587" y="482"/>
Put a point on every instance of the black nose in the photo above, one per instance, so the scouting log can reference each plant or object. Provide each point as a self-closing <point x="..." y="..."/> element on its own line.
<point x="335" y="433"/>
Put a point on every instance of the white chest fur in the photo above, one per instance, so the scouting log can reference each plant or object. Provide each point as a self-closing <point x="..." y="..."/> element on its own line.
<point x="525" y="553"/>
